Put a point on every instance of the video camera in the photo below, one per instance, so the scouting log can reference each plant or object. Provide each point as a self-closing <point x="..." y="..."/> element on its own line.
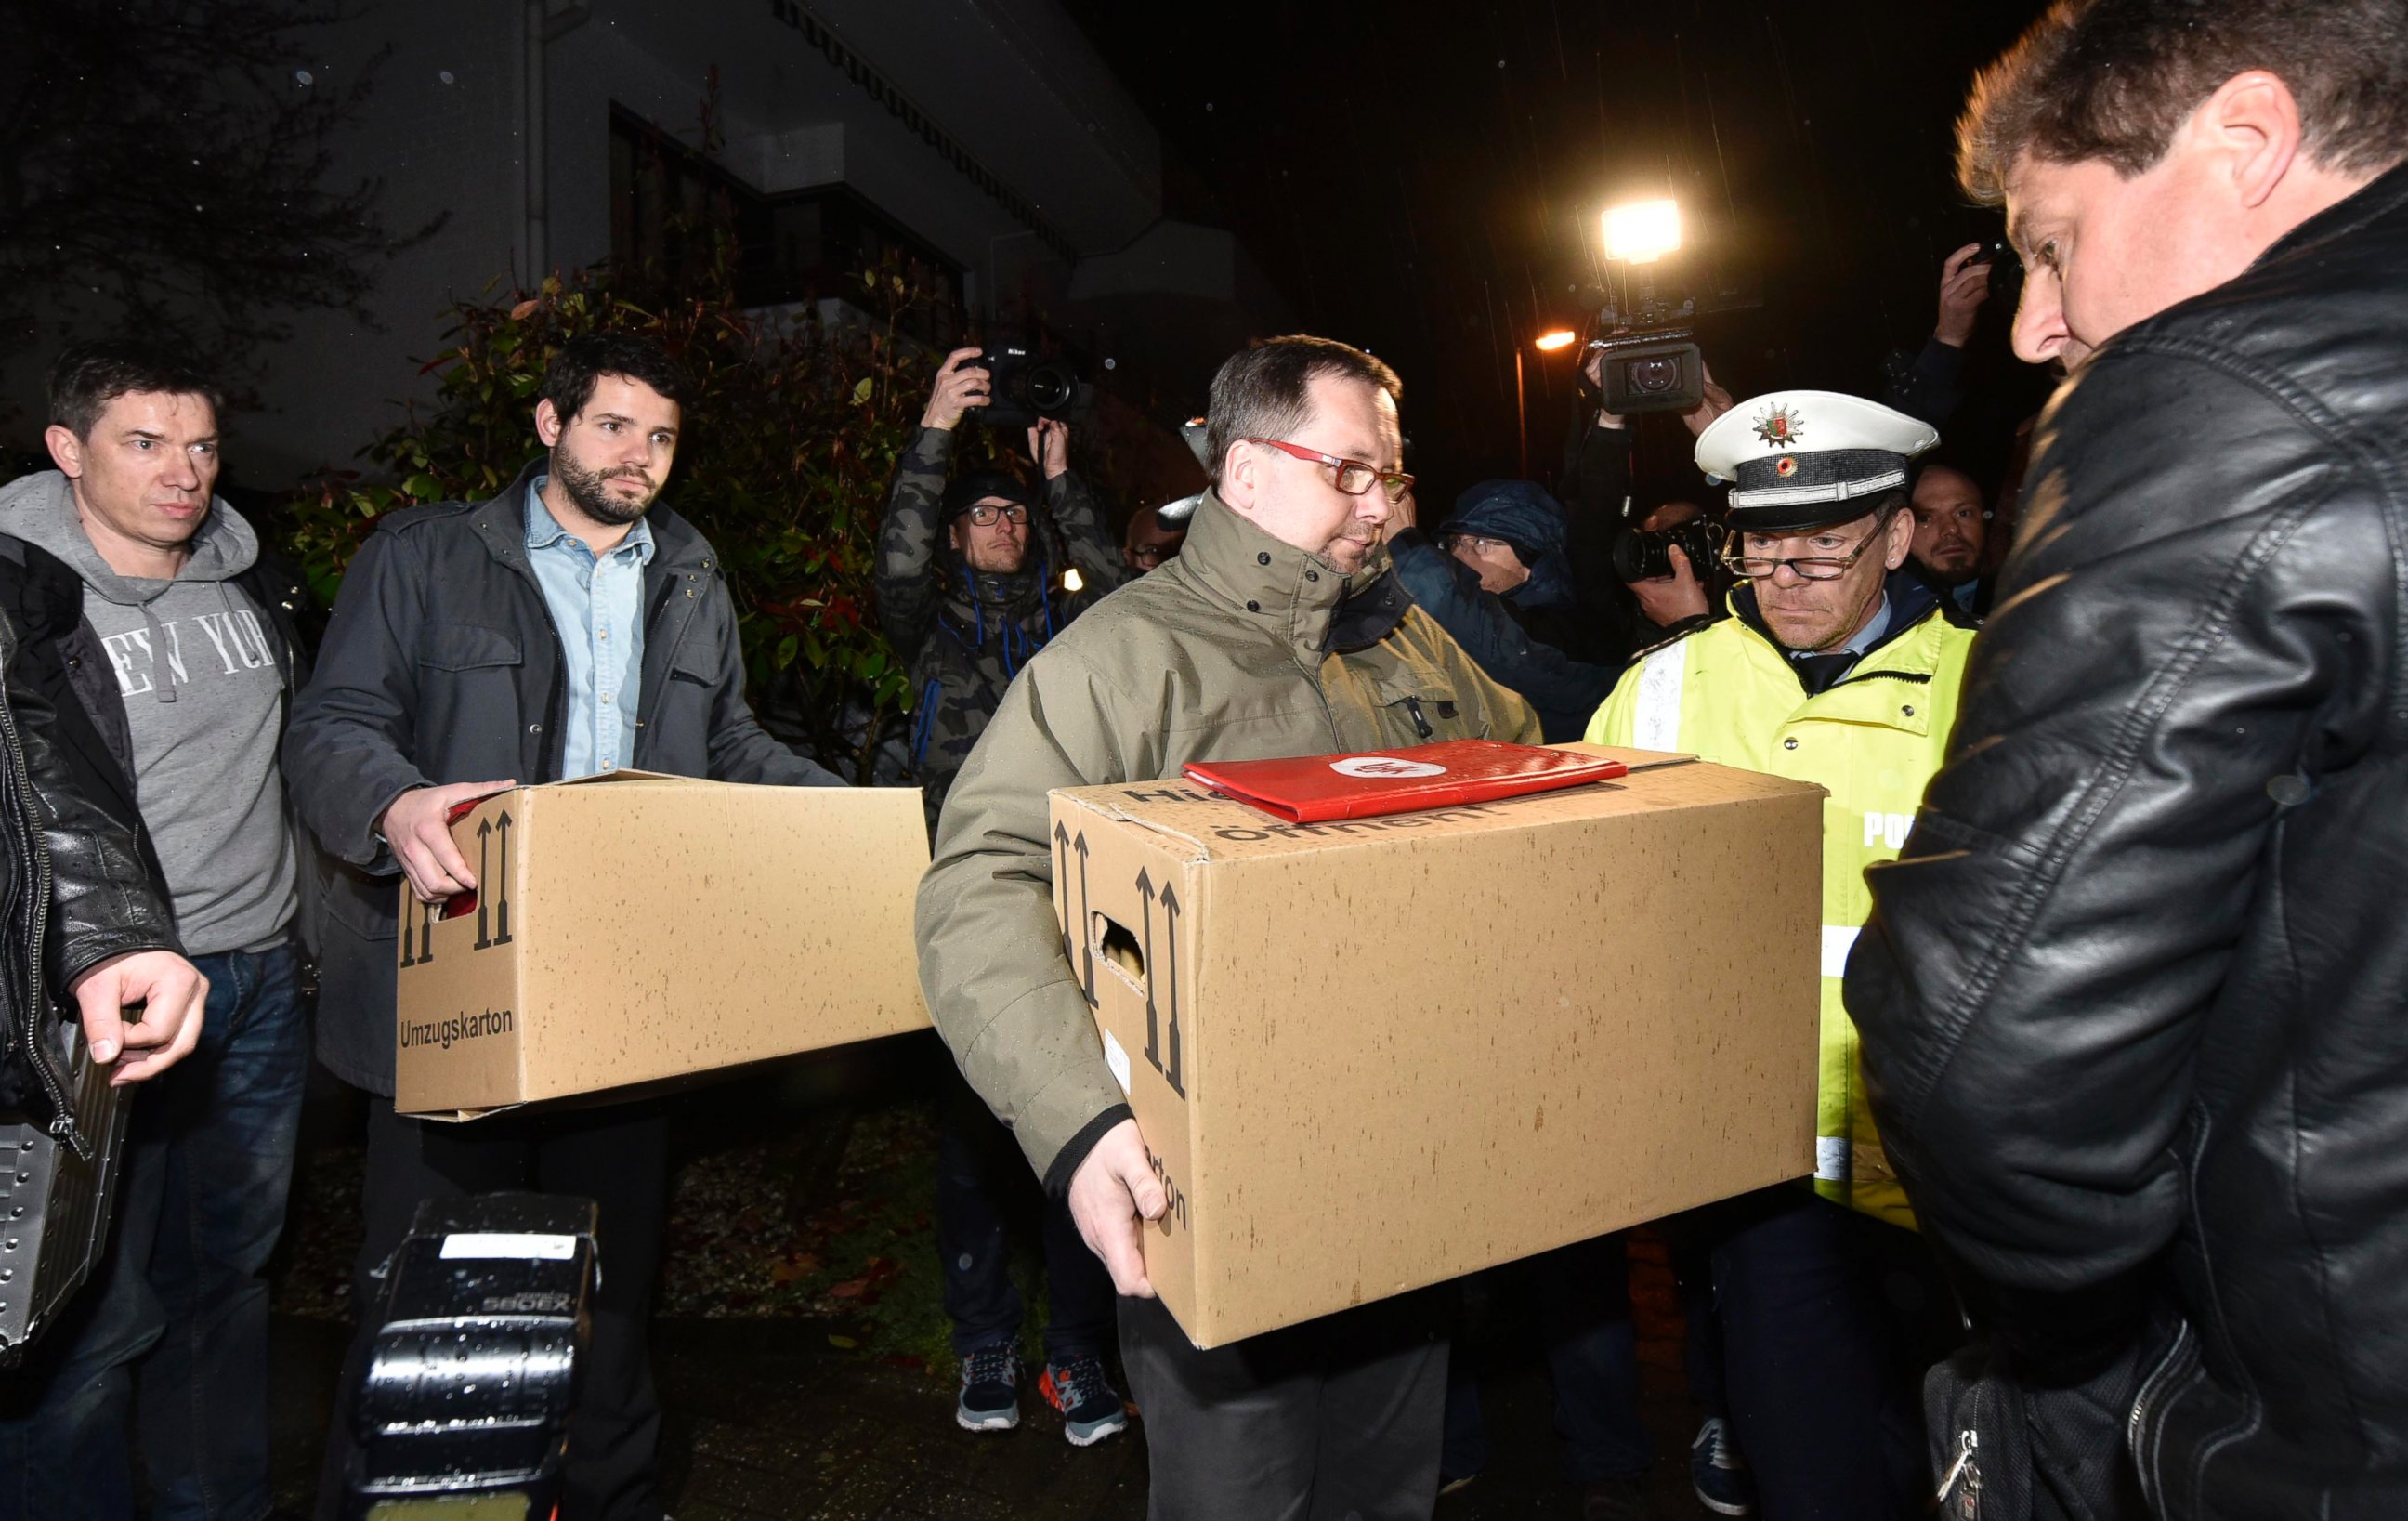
<point x="475" y="1368"/>
<point x="1650" y="359"/>
<point x="1645" y="554"/>
<point x="1021" y="387"/>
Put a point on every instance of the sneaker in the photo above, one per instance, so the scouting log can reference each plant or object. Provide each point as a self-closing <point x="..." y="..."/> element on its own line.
<point x="1082" y="1390"/>
<point x="1718" y="1473"/>
<point x="989" y="1389"/>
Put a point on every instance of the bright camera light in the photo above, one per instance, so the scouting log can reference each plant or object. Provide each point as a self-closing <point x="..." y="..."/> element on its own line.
<point x="1562" y="337"/>
<point x="1643" y="231"/>
<point x="1072" y="580"/>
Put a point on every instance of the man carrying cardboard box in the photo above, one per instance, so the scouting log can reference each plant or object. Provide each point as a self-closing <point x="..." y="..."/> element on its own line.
<point x="1278" y="631"/>
<point x="565" y="627"/>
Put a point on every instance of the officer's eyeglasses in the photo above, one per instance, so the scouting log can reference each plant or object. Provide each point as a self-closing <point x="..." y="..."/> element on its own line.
<point x="1354" y="477"/>
<point x="986" y="513"/>
<point x="1808" y="567"/>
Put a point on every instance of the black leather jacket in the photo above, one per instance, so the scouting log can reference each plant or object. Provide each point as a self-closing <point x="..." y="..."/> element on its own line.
<point x="61" y="656"/>
<point x="2135" y="1000"/>
<point x="75" y="890"/>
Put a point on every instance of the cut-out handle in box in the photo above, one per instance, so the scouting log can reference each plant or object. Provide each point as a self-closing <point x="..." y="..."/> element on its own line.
<point x="1132" y="955"/>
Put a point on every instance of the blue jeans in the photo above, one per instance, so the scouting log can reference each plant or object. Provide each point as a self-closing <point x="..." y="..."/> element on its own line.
<point x="1828" y="1319"/>
<point x="980" y="1172"/>
<point x="179" y="1294"/>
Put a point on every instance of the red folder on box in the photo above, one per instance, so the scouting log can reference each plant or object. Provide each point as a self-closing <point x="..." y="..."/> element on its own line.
<point x="1313" y="789"/>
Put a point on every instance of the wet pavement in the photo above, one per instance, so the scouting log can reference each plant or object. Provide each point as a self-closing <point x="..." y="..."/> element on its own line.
<point x="801" y="1353"/>
<point x="765" y="1422"/>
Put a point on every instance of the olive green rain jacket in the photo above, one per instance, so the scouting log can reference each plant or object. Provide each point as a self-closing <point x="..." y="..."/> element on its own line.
<point x="1243" y="648"/>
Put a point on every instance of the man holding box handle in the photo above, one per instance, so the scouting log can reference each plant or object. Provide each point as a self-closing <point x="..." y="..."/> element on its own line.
<point x="1279" y="630"/>
<point x="566" y="626"/>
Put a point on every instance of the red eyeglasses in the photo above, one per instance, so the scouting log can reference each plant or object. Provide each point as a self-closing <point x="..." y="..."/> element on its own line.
<point x="1354" y="477"/>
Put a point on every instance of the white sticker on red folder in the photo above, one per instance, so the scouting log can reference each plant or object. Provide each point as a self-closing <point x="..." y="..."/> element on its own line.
<point x="1384" y="766"/>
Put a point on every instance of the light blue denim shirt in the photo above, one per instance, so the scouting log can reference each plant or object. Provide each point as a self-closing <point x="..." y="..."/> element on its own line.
<point x="598" y="607"/>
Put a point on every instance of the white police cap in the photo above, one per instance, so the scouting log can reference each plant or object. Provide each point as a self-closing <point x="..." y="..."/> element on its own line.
<point x="1802" y="459"/>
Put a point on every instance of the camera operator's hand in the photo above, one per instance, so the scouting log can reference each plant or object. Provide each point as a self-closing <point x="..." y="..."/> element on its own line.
<point x="1594" y="367"/>
<point x="1112" y="1194"/>
<point x="1717" y="402"/>
<point x="1963" y="287"/>
<point x="1049" y="445"/>
<point x="418" y="825"/>
<point x="958" y="389"/>
<point x="171" y="993"/>
<point x="1667" y="599"/>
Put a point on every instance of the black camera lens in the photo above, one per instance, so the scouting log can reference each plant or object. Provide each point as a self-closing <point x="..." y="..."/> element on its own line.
<point x="1051" y="389"/>
<point x="1654" y="376"/>
<point x="2006" y="278"/>
<point x="1646" y="554"/>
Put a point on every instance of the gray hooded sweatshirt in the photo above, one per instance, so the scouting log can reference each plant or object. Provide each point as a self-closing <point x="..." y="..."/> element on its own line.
<point x="204" y="704"/>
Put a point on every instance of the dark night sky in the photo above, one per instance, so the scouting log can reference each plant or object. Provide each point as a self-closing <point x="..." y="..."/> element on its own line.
<point x="1425" y="182"/>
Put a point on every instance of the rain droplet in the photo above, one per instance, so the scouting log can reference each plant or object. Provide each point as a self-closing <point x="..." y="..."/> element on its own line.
<point x="1111" y="364"/>
<point x="445" y="75"/>
<point x="304" y="78"/>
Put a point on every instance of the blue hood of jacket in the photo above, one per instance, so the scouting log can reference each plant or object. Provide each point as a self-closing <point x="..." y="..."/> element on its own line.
<point x="1523" y="514"/>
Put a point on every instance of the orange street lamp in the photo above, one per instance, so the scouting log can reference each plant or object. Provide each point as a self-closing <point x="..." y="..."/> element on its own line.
<point x="1561" y="338"/>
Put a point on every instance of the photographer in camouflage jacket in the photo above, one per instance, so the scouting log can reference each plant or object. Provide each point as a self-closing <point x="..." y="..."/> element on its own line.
<point x="971" y="575"/>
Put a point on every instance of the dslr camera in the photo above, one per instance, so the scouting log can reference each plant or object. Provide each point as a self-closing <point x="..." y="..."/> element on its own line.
<point x="1021" y="387"/>
<point x="1649" y="359"/>
<point x="1642" y="554"/>
<point x="2006" y="272"/>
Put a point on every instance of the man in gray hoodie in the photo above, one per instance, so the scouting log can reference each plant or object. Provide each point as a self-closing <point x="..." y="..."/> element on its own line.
<point x="168" y="650"/>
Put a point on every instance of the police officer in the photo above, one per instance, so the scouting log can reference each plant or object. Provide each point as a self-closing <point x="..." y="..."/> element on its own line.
<point x="1842" y="668"/>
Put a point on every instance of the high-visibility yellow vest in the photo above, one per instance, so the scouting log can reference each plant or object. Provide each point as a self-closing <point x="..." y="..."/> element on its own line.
<point x="1727" y="694"/>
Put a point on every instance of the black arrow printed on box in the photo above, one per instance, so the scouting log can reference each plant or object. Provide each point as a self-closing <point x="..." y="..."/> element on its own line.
<point x="418" y="929"/>
<point x="1061" y="873"/>
<point x="1086" y="918"/>
<point x="1152" y="1019"/>
<point x="485" y="885"/>
<point x="1170" y="981"/>
<point x="502" y="887"/>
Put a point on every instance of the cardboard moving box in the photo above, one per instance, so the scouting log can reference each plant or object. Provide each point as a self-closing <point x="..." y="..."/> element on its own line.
<point x="1375" y="1055"/>
<point x="631" y="927"/>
